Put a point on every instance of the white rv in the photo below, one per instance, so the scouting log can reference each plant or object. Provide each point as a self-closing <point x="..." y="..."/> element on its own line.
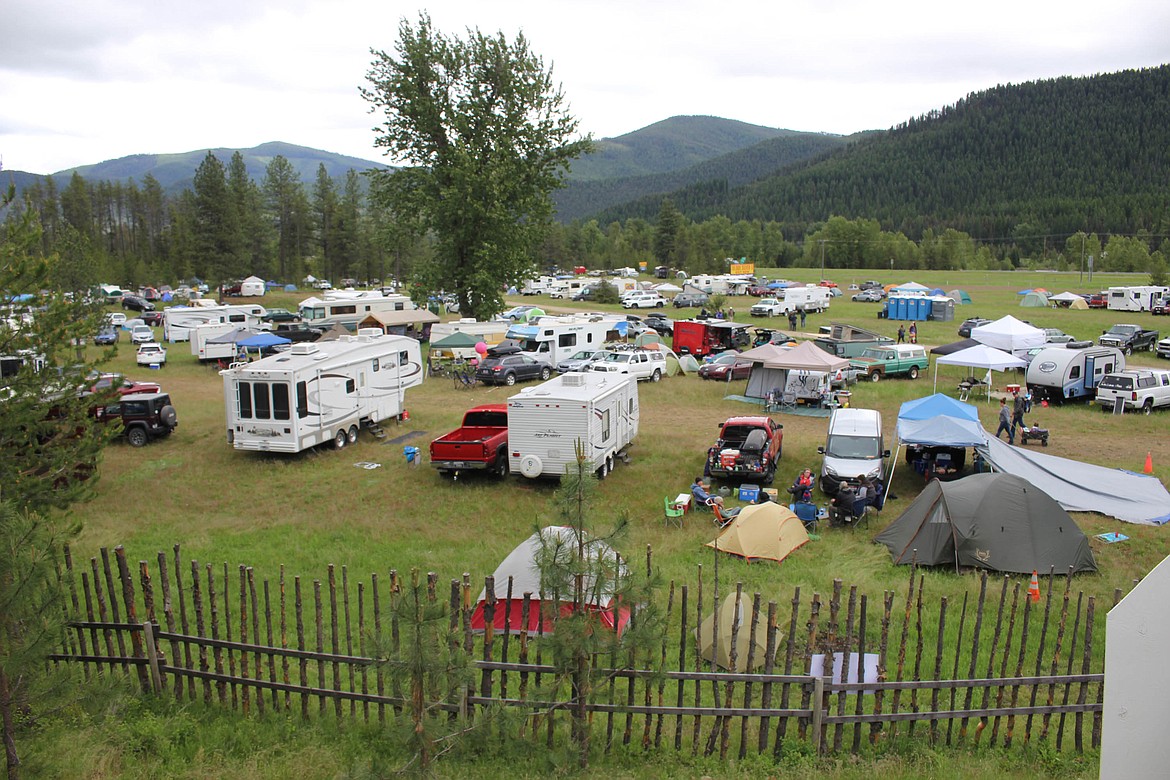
<point x="545" y="423"/>
<point x="810" y="298"/>
<point x="541" y="285"/>
<point x="200" y="347"/>
<point x="1071" y="374"/>
<point x="553" y="339"/>
<point x="178" y="321"/>
<point x="1138" y="298"/>
<point x="252" y="287"/>
<point x="350" y="309"/>
<point x="319" y="392"/>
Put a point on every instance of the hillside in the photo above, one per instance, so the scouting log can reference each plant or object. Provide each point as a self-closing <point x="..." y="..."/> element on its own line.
<point x="584" y="198"/>
<point x="670" y="145"/>
<point x="175" y="171"/>
<point x="1057" y="156"/>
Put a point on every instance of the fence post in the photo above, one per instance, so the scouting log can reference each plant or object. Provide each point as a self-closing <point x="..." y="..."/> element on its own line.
<point x="818" y="712"/>
<point x="152" y="656"/>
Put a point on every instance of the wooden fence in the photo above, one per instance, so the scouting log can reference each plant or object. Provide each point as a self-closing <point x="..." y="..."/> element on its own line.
<point x="1007" y="671"/>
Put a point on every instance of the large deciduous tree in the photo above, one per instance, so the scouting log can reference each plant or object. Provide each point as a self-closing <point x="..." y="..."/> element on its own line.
<point x="485" y="137"/>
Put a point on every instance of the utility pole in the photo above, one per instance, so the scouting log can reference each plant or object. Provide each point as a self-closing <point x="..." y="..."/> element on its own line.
<point x="1082" y="277"/>
<point x="822" y="259"/>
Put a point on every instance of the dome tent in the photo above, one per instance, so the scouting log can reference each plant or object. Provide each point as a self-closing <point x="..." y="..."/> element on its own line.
<point x="766" y="531"/>
<point x="993" y="521"/>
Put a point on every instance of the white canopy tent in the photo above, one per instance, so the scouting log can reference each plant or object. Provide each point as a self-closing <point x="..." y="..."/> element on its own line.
<point x="1065" y="296"/>
<point x="980" y="356"/>
<point x="1009" y="334"/>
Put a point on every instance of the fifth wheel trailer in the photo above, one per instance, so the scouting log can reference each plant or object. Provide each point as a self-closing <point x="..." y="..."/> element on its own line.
<point x="545" y="422"/>
<point x="319" y="392"/>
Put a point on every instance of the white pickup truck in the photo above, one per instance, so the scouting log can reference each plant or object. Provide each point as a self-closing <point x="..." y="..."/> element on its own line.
<point x="771" y="307"/>
<point x="1137" y="388"/>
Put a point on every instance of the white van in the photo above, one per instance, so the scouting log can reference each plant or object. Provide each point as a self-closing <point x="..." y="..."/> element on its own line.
<point x="854" y="448"/>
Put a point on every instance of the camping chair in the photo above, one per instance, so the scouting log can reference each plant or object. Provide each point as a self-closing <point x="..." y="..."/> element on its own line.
<point x="807" y="512"/>
<point x="672" y="513"/>
<point x="723" y="516"/>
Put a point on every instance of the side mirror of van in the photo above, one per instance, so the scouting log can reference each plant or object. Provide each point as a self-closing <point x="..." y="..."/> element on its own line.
<point x="885" y="453"/>
<point x="820" y="450"/>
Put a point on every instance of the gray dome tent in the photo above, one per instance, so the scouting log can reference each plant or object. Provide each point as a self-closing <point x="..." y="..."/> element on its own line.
<point x="993" y="521"/>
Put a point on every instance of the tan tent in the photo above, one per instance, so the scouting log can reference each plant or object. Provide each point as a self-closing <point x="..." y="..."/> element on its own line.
<point x="728" y="617"/>
<point x="1079" y="303"/>
<point x="762" y="531"/>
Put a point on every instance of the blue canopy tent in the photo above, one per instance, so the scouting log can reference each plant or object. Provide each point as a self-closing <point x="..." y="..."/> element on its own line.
<point x="262" y="340"/>
<point x="938" y="421"/>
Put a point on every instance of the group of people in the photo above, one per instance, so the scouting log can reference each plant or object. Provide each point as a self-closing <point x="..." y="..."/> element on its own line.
<point x="845" y="506"/>
<point x="792" y="315"/>
<point x="1012" y="419"/>
<point x="913" y="333"/>
<point x="718" y="314"/>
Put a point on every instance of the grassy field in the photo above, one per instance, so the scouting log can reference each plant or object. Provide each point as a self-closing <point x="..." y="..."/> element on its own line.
<point x="307" y="511"/>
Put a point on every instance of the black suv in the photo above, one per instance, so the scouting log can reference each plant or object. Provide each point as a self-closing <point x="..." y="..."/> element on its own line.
<point x="509" y="369"/>
<point x="137" y="303"/>
<point x="144" y="416"/>
<point x="969" y="324"/>
<point x="663" y="325"/>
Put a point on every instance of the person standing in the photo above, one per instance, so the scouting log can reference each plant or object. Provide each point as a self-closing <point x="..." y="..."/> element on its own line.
<point x="792" y="320"/>
<point x="913" y="332"/>
<point x="803" y="314"/>
<point x="1005" y="421"/>
<point x="730" y="313"/>
<point x="901" y="334"/>
<point x="1018" y="406"/>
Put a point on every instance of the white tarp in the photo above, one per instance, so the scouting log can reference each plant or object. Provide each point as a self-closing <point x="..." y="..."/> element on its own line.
<point x="1084" y="487"/>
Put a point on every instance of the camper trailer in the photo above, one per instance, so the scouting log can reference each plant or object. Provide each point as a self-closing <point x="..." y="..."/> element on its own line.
<point x="1139" y="298"/>
<point x="200" y="347"/>
<point x="319" y="392"/>
<point x="553" y="339"/>
<point x="491" y="332"/>
<point x="541" y="285"/>
<point x="350" y="309"/>
<point x="545" y="423"/>
<point x="1068" y="374"/>
<point x="252" y="287"/>
<point x="178" y="321"/>
<point x="850" y="341"/>
<point x="811" y="298"/>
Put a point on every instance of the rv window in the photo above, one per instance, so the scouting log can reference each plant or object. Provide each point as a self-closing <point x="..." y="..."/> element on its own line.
<point x="1075" y="373"/>
<point x="260" y="399"/>
<point x="345" y="309"/>
<point x="350" y="386"/>
<point x="567" y="340"/>
<point x="302" y="400"/>
<point x="1108" y="368"/>
<point x="280" y="410"/>
<point x="236" y="317"/>
<point x="244" y="399"/>
<point x="375" y="365"/>
<point x="403" y="358"/>
<point x="399" y="306"/>
<point x="605" y="429"/>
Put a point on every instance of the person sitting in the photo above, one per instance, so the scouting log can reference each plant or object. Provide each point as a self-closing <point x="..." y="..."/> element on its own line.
<point x="699" y="491"/>
<point x="801" y="489"/>
<point x="844" y="505"/>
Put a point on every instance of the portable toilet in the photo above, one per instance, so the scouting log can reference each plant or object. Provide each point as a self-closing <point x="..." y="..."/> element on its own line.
<point x="942" y="310"/>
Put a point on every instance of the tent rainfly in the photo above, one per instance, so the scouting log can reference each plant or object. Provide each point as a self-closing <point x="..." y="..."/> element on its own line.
<point x="521" y="570"/>
<point x="1034" y="300"/>
<point x="715" y="645"/>
<point x="768" y="531"/>
<point x="998" y="522"/>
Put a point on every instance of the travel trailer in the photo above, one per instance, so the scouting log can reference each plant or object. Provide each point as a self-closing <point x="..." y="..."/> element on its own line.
<point x="553" y="339"/>
<point x="491" y="332"/>
<point x="178" y="321"/>
<point x="721" y="284"/>
<point x="319" y="392"/>
<point x="1068" y="374"/>
<point x="812" y="298"/>
<point x="349" y="308"/>
<point x="541" y="285"/>
<point x="200" y="347"/>
<point x="545" y="423"/>
<point x="1139" y="298"/>
<point x="252" y="287"/>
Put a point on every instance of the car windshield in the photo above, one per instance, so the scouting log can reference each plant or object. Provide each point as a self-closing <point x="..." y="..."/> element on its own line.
<point x="854" y="447"/>
<point x="617" y="357"/>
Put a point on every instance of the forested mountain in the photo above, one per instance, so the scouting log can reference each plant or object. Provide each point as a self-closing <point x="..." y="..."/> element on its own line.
<point x="175" y="172"/>
<point x="1058" y="156"/>
<point x="586" y="197"/>
<point x="669" y="145"/>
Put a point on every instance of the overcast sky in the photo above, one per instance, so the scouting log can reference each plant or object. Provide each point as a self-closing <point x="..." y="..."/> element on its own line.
<point x="84" y="82"/>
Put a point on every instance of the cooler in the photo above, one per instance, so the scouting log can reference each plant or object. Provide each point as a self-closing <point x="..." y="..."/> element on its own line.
<point x="748" y="492"/>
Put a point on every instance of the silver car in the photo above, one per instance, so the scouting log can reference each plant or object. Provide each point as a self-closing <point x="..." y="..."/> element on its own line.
<point x="581" y="361"/>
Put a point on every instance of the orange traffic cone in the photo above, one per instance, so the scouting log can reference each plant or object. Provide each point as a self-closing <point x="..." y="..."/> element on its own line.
<point x="1034" y="587"/>
<point x="1149" y="469"/>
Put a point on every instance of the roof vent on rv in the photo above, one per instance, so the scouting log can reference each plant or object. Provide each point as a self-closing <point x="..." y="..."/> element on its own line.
<point x="302" y="349"/>
<point x="372" y="333"/>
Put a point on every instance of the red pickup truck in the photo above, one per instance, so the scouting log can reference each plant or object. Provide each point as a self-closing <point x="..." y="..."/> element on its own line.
<point x="480" y="444"/>
<point x="748" y="450"/>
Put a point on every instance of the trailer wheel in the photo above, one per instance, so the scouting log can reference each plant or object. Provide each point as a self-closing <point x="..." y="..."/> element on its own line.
<point x="352" y="435"/>
<point x="339" y="440"/>
<point x="603" y="469"/>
